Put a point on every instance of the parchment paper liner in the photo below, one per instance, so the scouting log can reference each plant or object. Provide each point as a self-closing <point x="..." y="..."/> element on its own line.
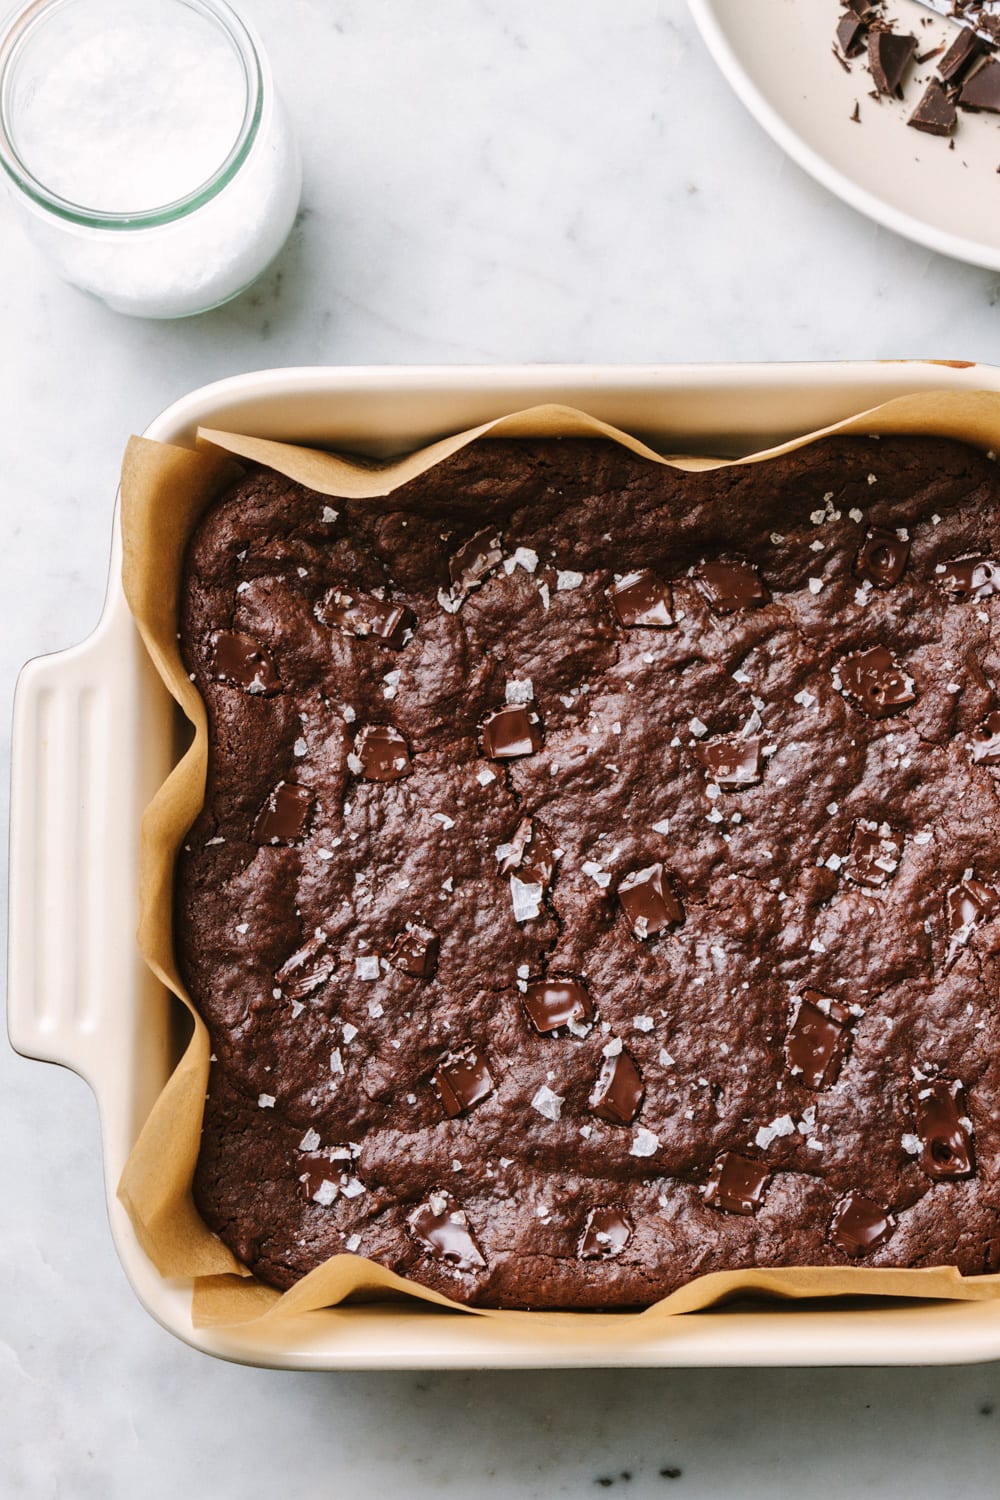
<point x="164" y="491"/>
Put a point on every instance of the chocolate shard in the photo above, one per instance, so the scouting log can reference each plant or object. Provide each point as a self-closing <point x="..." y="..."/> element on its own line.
<point x="605" y="1234"/>
<point x="325" y="1174"/>
<point x="876" y="682"/>
<point x="530" y="855"/>
<point x="361" y="616"/>
<point x="618" y="1089"/>
<point x="642" y="600"/>
<point x="511" y="732"/>
<point x="874" y="854"/>
<point x="380" y="754"/>
<point x="441" y="1229"/>
<point x="648" y="902"/>
<point x="981" y="91"/>
<point x="969" y="578"/>
<point x="889" y="56"/>
<point x="309" y="967"/>
<point x="736" y="1184"/>
<point x="415" y="951"/>
<point x="732" y="763"/>
<point x="462" y="1080"/>
<point x="851" y="34"/>
<point x="860" y="1226"/>
<point x="969" y="904"/>
<point x="553" y="1003"/>
<point x="882" y="558"/>
<point x="986" y="741"/>
<point x="817" y="1039"/>
<point x="966" y="49"/>
<point x="242" y="661"/>
<point x="935" y="114"/>
<point x="943" y="1128"/>
<point x="285" y="815"/>
<point x="474" y="561"/>
<point x="729" y="586"/>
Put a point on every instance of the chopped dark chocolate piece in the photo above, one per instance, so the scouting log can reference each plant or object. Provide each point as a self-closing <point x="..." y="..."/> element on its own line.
<point x="986" y="741"/>
<point x="732" y="763"/>
<point x="729" y="586"/>
<point x="415" y="951"/>
<point x="882" y="558"/>
<point x="308" y="968"/>
<point x="981" y="91"/>
<point x="817" y="1039"/>
<point x="474" y="561"/>
<point x="943" y="1128"/>
<point x="605" y="1234"/>
<point x="553" y="1003"/>
<point x="851" y="33"/>
<point x="642" y="599"/>
<point x="966" y="578"/>
<point x="617" y="1092"/>
<point x="285" y="815"/>
<point x="935" y="114"/>
<point x="874" y="854"/>
<point x="510" y="732"/>
<point x="361" y="615"/>
<point x="966" y="49"/>
<point x="875" y="681"/>
<point x="859" y="1225"/>
<point x="441" y="1228"/>
<point x="462" y="1080"/>
<point x="380" y="754"/>
<point x="889" y="56"/>
<point x="648" y="902"/>
<point x="530" y="855"/>
<point x="736" y="1184"/>
<point x="242" y="661"/>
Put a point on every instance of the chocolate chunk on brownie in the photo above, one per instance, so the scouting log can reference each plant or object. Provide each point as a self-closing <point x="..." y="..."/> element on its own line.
<point x="597" y="882"/>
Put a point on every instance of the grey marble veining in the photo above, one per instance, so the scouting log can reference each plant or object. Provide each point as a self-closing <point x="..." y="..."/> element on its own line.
<point x="484" y="182"/>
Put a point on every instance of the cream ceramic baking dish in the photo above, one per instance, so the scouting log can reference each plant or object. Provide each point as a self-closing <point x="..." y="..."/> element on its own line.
<point x="95" y="734"/>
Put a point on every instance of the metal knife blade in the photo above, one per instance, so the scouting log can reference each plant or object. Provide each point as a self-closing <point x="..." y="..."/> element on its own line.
<point x="971" y="15"/>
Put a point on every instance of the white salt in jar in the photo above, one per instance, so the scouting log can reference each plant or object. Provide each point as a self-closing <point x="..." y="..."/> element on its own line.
<point x="148" y="154"/>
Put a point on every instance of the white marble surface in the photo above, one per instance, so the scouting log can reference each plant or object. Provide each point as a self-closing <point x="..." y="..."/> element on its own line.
<point x="485" y="180"/>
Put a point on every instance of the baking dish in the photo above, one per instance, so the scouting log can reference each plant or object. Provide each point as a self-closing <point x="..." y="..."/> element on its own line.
<point x="95" y="734"/>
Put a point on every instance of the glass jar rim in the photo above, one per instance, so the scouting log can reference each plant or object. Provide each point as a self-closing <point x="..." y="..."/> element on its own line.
<point x="15" y="32"/>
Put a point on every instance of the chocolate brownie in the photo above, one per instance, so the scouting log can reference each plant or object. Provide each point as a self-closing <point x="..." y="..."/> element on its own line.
<point x="597" y="883"/>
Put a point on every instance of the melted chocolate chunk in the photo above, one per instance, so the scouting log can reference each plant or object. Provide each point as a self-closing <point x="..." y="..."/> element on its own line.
<point x="648" y="902"/>
<point x="462" y="1080"/>
<point x="874" y="855"/>
<point x="817" y="1039"/>
<point x="859" y="1225"/>
<point x="361" y="615"/>
<point x="510" y="732"/>
<point x="605" y="1234"/>
<point x="876" y="682"/>
<point x="553" y="1003"/>
<point x="889" y="57"/>
<point x="415" y="951"/>
<point x="285" y="815"/>
<point x="441" y="1228"/>
<point x="308" y="968"/>
<point x="944" y="1129"/>
<point x="617" y="1092"/>
<point x="732" y="763"/>
<point x="935" y="114"/>
<point x="532" y="856"/>
<point x="325" y="1173"/>
<point x="986" y="741"/>
<point x="243" y="662"/>
<point x="474" y="561"/>
<point x="381" y="753"/>
<point x="882" y="558"/>
<point x="965" y="578"/>
<point x="966" y="49"/>
<point x="729" y="586"/>
<point x="981" y="91"/>
<point x="736" y="1184"/>
<point x="970" y="904"/>
<point x="642" y="599"/>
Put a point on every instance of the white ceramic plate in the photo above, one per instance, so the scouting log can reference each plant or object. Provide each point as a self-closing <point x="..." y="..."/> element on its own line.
<point x="777" y="55"/>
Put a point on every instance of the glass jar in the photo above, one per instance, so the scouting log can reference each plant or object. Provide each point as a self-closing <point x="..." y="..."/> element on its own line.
<point x="148" y="154"/>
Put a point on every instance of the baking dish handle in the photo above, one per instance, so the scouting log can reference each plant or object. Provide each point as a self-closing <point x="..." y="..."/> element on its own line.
<point x="78" y="787"/>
